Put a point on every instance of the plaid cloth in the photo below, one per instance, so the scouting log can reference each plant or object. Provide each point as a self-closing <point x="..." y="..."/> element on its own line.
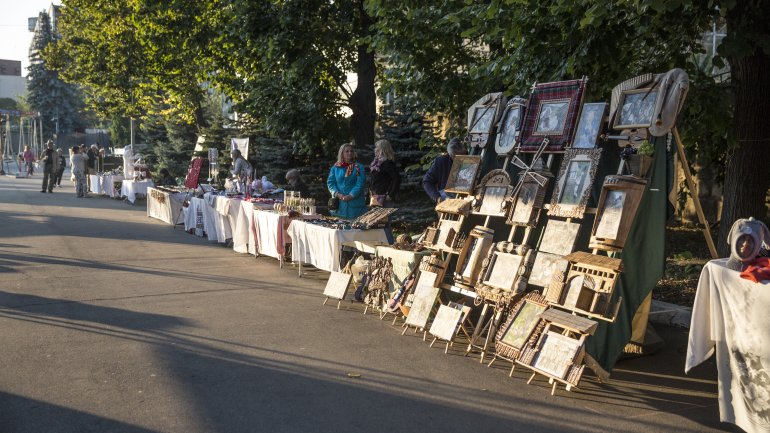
<point x="572" y="90"/>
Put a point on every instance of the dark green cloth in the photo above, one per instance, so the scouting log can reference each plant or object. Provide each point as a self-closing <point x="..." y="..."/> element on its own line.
<point x="643" y="261"/>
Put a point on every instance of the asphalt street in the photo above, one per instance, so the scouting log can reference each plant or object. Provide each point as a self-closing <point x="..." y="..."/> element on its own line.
<point x="114" y="322"/>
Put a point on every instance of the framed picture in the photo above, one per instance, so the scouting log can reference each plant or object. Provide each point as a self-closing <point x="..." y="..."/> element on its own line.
<point x="618" y="203"/>
<point x="573" y="188"/>
<point x="503" y="270"/>
<point x="482" y="119"/>
<point x="509" y="127"/>
<point x="448" y="320"/>
<point x="483" y="116"/>
<point x="462" y="175"/>
<point x="337" y="285"/>
<point x="495" y="189"/>
<point x="425" y="294"/>
<point x="556" y="355"/>
<point x="559" y="237"/>
<point x="552" y="112"/>
<point x="545" y="267"/>
<point x="527" y="203"/>
<point x="447" y="230"/>
<point x="590" y="125"/>
<point x="522" y="321"/>
<point x="609" y="221"/>
<point x="636" y="109"/>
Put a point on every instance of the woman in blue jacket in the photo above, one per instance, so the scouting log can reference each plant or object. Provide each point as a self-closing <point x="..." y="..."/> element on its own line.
<point x="346" y="182"/>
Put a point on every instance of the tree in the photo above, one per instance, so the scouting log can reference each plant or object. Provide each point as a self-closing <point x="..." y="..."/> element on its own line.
<point x="58" y="102"/>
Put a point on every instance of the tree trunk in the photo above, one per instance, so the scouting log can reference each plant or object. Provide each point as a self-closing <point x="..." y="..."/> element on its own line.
<point x="747" y="178"/>
<point x="363" y="100"/>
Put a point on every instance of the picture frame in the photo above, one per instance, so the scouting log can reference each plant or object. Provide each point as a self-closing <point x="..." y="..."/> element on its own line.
<point x="448" y="320"/>
<point x="559" y="237"/>
<point x="636" y="108"/>
<point x="573" y="186"/>
<point x="612" y="211"/>
<point x="518" y="328"/>
<point x="425" y="294"/>
<point x="526" y="205"/>
<point x="545" y="266"/>
<point x="481" y="122"/>
<point x="462" y="175"/>
<point x="447" y="230"/>
<point x="483" y="117"/>
<point x="556" y="355"/>
<point x="494" y="191"/>
<point x="510" y="127"/>
<point x="590" y="125"/>
<point x="337" y="285"/>
<point x="551" y="112"/>
<point x="619" y="200"/>
<point x="503" y="270"/>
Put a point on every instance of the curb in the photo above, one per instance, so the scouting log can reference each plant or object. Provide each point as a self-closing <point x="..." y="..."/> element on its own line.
<point x="670" y="314"/>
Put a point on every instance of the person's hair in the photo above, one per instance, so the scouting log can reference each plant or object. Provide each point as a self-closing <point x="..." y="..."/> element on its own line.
<point x="293" y="174"/>
<point x="386" y="148"/>
<point x="94" y="146"/>
<point x="58" y="149"/>
<point x="235" y="152"/>
<point x="164" y="172"/>
<point x="342" y="149"/>
<point x="454" y="146"/>
<point x="75" y="149"/>
<point x="26" y="147"/>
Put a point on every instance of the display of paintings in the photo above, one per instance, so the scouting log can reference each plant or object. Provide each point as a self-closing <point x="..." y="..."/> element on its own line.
<point x="520" y="324"/>
<point x="509" y="127"/>
<point x="559" y="237"/>
<point x="551" y="112"/>
<point x="425" y="294"/>
<point x="447" y="320"/>
<point x="337" y="285"/>
<point x="609" y="222"/>
<point x="462" y="175"/>
<point x="503" y="270"/>
<point x="590" y="125"/>
<point x="556" y="354"/>
<point x="573" y="188"/>
<point x="545" y="267"/>
<point x="636" y="109"/>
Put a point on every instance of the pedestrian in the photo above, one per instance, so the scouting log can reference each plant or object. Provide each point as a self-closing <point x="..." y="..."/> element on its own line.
<point x="346" y="183"/>
<point x="385" y="180"/>
<point x="62" y="166"/>
<point x="241" y="170"/>
<point x="29" y="160"/>
<point x="436" y="177"/>
<point x="78" y="162"/>
<point x="50" y="167"/>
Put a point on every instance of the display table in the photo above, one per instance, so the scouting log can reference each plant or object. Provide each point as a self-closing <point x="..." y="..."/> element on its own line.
<point x="730" y="318"/>
<point x="403" y="262"/>
<point x="165" y="206"/>
<point x="104" y="184"/>
<point x="271" y="236"/>
<point x="321" y="246"/>
<point x="201" y="218"/>
<point x="131" y="188"/>
<point x="244" y="231"/>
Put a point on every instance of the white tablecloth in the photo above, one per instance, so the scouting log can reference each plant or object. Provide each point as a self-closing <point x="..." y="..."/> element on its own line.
<point x="730" y="316"/>
<point x="164" y="206"/>
<point x="321" y="246"/>
<point x="131" y="188"/>
<point x="104" y="184"/>
<point x="243" y="233"/>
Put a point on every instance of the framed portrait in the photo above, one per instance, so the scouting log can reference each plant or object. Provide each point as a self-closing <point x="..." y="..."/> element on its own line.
<point x="494" y="190"/>
<point x="483" y="116"/>
<point x="556" y="355"/>
<point x="609" y="222"/>
<point x="618" y="203"/>
<point x="636" y="109"/>
<point x="503" y="270"/>
<point x="509" y="127"/>
<point x="527" y="203"/>
<point x="462" y="175"/>
<point x="425" y="294"/>
<point x="482" y="119"/>
<point x="559" y="237"/>
<point x="590" y="125"/>
<point x="552" y="112"/>
<point x="517" y="330"/>
<point x="545" y="267"/>
<point x="573" y="187"/>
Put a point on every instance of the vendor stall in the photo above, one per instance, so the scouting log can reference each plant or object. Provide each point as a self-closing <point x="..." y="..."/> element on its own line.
<point x="403" y="262"/>
<point x="271" y="236"/>
<point x="132" y="188"/>
<point x="730" y="317"/>
<point x="320" y="246"/>
<point x="164" y="205"/>
<point x="105" y="184"/>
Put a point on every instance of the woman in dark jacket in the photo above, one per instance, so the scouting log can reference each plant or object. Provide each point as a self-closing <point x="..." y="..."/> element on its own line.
<point x="384" y="174"/>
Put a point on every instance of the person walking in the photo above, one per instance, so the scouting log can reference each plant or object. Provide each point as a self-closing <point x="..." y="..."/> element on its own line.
<point x="346" y="182"/>
<point x="78" y="162"/>
<point x="62" y="166"/>
<point x="29" y="160"/>
<point x="50" y="167"/>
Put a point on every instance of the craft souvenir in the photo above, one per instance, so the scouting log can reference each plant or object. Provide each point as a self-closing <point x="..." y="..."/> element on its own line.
<point x="462" y="175"/>
<point x="590" y="125"/>
<point x="337" y="286"/>
<point x="746" y="239"/>
<point x="425" y="295"/>
<point x="559" y="237"/>
<point x="636" y="109"/>
<point x="375" y="217"/>
<point x="573" y="187"/>
<point x="448" y="320"/>
<point x="510" y="126"/>
<point x="546" y="265"/>
<point x="552" y="112"/>
<point x="454" y="206"/>
<point x="493" y="194"/>
<point x="503" y="274"/>
<point x="519" y="328"/>
<point x="617" y="208"/>
<point x="474" y="250"/>
<point x="483" y="115"/>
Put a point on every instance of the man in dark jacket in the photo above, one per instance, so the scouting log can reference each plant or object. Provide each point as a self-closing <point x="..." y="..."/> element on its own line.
<point x="435" y="178"/>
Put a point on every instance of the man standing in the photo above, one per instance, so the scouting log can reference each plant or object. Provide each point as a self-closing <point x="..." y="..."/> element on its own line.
<point x="435" y="179"/>
<point x="50" y="167"/>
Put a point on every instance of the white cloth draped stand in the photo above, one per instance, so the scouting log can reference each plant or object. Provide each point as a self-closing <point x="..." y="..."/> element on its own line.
<point x="131" y="188"/>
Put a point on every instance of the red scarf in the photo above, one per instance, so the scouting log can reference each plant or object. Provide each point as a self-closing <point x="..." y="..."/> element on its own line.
<point x="349" y="167"/>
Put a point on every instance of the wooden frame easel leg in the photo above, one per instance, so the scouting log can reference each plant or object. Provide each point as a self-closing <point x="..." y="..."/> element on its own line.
<point x="694" y="193"/>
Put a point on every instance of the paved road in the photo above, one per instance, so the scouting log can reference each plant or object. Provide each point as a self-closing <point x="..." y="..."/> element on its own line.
<point x="114" y="322"/>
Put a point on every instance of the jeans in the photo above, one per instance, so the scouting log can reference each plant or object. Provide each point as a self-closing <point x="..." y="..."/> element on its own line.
<point x="49" y="177"/>
<point x="80" y="183"/>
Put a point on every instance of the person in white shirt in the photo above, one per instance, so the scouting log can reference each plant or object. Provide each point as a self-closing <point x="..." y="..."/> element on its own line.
<point x="78" y="162"/>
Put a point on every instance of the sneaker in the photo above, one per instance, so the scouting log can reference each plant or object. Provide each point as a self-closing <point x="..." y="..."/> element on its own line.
<point x="42" y="191"/>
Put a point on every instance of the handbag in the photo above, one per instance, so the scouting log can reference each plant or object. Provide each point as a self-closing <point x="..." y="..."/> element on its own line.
<point x="376" y="200"/>
<point x="334" y="203"/>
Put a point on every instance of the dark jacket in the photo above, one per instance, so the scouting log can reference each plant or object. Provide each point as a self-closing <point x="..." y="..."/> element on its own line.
<point x="386" y="180"/>
<point x="91" y="158"/>
<point x="436" y="177"/>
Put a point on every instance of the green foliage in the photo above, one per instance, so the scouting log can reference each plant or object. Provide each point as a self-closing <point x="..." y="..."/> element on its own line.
<point x="645" y="149"/>
<point x="120" y="131"/>
<point x="8" y="104"/>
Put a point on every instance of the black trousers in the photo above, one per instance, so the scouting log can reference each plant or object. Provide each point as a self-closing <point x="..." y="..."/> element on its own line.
<point x="49" y="177"/>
